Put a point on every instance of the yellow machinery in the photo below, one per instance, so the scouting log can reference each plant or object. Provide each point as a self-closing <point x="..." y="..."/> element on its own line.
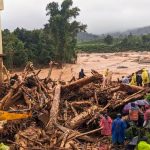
<point x="4" y="115"/>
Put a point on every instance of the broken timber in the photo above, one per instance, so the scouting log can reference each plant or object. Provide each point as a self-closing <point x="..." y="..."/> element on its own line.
<point x="55" y="106"/>
<point x="81" y="82"/>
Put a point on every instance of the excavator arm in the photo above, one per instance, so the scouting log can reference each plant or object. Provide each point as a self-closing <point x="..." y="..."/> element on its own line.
<point x="4" y="115"/>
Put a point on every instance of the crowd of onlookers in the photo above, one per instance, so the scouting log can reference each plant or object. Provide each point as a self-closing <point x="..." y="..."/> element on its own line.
<point x="133" y="127"/>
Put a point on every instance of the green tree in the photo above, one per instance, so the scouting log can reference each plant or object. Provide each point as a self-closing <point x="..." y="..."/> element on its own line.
<point x="16" y="55"/>
<point x="63" y="29"/>
<point x="37" y="43"/>
<point x="108" y="39"/>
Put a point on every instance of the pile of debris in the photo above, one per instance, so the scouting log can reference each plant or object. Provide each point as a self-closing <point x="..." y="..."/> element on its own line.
<point x="46" y="114"/>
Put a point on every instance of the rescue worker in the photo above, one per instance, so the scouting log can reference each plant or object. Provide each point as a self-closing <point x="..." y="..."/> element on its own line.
<point x="107" y="77"/>
<point x="106" y="72"/>
<point x="145" y="77"/>
<point x="81" y="74"/>
<point x="133" y="79"/>
<point x="105" y="123"/>
<point x="143" y="145"/>
<point x="118" y="130"/>
<point x="138" y="79"/>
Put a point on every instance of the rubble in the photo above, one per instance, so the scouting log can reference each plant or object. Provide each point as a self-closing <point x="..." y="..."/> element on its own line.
<point x="63" y="116"/>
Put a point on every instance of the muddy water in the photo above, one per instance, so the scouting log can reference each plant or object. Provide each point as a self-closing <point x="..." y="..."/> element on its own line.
<point x="119" y="63"/>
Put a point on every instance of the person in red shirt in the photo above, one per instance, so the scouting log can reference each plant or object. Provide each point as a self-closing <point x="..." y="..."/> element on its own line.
<point x="105" y="123"/>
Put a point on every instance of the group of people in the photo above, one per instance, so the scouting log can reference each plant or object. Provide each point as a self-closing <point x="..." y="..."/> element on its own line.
<point x="107" y="77"/>
<point x="115" y="128"/>
<point x="135" y="126"/>
<point x="141" y="78"/>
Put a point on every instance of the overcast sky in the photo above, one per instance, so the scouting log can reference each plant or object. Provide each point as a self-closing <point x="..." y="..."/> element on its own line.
<point x="101" y="16"/>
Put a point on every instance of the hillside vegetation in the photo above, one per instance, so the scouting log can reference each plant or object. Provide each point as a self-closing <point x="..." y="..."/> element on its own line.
<point x="110" y="44"/>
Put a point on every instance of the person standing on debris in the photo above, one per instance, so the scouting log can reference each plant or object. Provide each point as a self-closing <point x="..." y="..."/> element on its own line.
<point x="105" y="123"/>
<point x="107" y="77"/>
<point x="138" y="79"/>
<point x="145" y="77"/>
<point x="125" y="80"/>
<point x="118" y="130"/>
<point x="81" y="74"/>
<point x="133" y="79"/>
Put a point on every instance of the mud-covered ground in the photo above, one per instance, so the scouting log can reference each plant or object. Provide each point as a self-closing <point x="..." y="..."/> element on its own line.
<point x="120" y="63"/>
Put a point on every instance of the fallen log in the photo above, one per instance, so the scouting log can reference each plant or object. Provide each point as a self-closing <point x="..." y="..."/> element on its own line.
<point x="115" y="89"/>
<point x="55" y="106"/>
<point x="9" y="95"/>
<point x="98" y="114"/>
<point x="74" y="147"/>
<point x="27" y="100"/>
<point x="9" y="102"/>
<point x="81" y="103"/>
<point x="81" y="118"/>
<point x="74" y="110"/>
<point x="130" y="88"/>
<point x="86" y="133"/>
<point x="132" y="97"/>
<point x="74" y="133"/>
<point x="64" y="139"/>
<point x="81" y="82"/>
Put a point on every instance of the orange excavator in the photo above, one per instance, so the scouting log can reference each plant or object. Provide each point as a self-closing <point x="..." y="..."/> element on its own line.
<point x="14" y="115"/>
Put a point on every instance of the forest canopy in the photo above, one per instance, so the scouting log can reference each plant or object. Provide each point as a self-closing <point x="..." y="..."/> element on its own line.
<point x="56" y="41"/>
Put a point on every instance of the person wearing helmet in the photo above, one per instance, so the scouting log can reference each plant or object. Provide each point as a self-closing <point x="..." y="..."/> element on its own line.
<point x="107" y="77"/>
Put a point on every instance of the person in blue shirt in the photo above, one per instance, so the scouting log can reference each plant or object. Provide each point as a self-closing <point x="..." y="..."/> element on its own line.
<point x="81" y="74"/>
<point x="118" y="130"/>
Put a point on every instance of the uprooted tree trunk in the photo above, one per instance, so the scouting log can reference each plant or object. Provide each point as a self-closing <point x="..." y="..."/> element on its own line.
<point x="132" y="97"/>
<point x="130" y="88"/>
<point x="81" y="118"/>
<point x="81" y="82"/>
<point x="55" y="106"/>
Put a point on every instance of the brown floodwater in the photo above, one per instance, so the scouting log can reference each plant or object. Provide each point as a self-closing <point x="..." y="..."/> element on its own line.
<point x="120" y="64"/>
